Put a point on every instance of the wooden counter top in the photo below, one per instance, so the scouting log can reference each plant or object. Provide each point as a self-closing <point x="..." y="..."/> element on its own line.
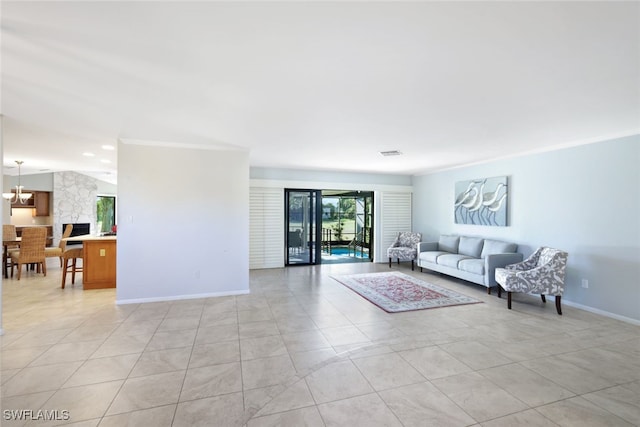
<point x="89" y="237"/>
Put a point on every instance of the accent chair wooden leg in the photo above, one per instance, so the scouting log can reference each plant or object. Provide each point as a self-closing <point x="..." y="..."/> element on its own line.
<point x="412" y="266"/>
<point x="499" y="291"/>
<point x="558" y="307"/>
<point x="488" y="291"/>
<point x="398" y="261"/>
<point x="509" y="300"/>
<point x="73" y="272"/>
<point x="544" y="299"/>
<point x="389" y="262"/>
<point x="64" y="272"/>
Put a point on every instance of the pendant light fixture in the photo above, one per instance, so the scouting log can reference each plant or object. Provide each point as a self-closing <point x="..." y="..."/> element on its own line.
<point x="18" y="196"/>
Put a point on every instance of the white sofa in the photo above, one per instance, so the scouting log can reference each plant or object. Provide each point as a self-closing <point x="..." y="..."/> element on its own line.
<point x="469" y="258"/>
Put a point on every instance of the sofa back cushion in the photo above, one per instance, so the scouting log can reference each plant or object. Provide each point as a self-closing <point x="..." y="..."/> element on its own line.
<point x="497" y="247"/>
<point x="448" y="244"/>
<point x="471" y="246"/>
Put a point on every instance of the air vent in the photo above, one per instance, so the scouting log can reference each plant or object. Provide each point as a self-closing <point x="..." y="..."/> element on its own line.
<point x="391" y="153"/>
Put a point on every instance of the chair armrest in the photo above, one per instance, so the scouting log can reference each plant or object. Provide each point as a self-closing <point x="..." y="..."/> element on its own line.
<point x="545" y="279"/>
<point x="427" y="246"/>
<point x="493" y="261"/>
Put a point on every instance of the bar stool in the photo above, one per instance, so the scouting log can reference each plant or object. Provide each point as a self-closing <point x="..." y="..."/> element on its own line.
<point x="73" y="255"/>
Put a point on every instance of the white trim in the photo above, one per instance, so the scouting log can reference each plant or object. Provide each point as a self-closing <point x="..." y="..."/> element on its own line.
<point x="214" y="146"/>
<point x="180" y="297"/>
<point x="601" y="312"/>
<point x="1" y="332"/>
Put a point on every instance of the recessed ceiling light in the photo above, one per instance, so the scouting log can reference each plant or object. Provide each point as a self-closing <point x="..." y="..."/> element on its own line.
<point x="391" y="153"/>
<point x="88" y="154"/>
<point x="105" y="161"/>
<point x="108" y="147"/>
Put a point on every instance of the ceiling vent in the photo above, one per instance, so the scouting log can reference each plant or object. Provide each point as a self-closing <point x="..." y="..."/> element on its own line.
<point x="391" y="153"/>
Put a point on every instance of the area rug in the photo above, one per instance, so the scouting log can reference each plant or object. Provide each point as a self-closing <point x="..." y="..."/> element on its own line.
<point x="394" y="292"/>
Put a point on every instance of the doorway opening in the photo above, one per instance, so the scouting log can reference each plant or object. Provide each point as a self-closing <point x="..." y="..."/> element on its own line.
<point x="328" y="226"/>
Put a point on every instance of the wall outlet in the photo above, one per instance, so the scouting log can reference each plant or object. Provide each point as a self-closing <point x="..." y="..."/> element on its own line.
<point x="585" y="283"/>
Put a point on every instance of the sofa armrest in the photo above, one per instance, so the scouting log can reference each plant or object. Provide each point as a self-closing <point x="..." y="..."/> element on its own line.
<point x="491" y="262"/>
<point x="427" y="246"/>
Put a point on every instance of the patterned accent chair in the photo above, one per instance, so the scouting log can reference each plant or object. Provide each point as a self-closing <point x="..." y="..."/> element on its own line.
<point x="542" y="273"/>
<point x="405" y="247"/>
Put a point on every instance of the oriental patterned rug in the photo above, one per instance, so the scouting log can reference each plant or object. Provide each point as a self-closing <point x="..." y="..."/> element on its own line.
<point x="394" y="292"/>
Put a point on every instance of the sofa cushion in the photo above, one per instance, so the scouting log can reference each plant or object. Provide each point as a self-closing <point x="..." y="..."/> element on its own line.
<point x="451" y="260"/>
<point x="475" y="266"/>
<point x="471" y="246"/>
<point x="431" y="256"/>
<point x="492" y="247"/>
<point x="448" y="244"/>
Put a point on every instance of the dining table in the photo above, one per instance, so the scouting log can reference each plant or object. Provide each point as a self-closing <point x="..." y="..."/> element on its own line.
<point x="5" y="253"/>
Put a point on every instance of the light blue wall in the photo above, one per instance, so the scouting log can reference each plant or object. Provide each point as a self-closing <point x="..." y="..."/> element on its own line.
<point x="585" y="200"/>
<point x="324" y="176"/>
<point x="39" y="181"/>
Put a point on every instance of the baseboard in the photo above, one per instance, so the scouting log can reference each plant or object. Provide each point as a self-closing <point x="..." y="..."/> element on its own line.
<point x="180" y="297"/>
<point x="601" y="312"/>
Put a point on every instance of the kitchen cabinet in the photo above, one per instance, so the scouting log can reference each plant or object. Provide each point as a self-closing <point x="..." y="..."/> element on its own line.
<point x="39" y="201"/>
<point x="98" y="261"/>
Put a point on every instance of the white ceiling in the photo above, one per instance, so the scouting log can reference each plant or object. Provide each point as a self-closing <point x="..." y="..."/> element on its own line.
<point x="321" y="85"/>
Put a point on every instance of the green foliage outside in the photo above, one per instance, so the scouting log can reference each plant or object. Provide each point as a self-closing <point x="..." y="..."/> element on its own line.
<point x="106" y="212"/>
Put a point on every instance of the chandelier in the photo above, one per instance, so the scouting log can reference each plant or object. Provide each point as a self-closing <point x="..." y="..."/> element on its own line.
<point x="18" y="196"/>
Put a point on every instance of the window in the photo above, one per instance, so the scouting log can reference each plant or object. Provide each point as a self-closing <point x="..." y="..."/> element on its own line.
<point x="106" y="214"/>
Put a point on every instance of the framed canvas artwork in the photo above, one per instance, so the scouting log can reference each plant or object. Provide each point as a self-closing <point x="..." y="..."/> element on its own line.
<point x="482" y="201"/>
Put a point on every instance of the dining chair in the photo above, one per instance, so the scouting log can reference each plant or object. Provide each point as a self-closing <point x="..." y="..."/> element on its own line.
<point x="9" y="234"/>
<point x="31" y="250"/>
<point x="54" y="251"/>
<point x="71" y="255"/>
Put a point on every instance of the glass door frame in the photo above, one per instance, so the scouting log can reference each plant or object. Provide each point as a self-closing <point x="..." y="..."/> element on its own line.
<point x="313" y="240"/>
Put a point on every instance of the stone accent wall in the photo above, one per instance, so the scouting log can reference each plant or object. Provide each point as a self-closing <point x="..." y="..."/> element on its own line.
<point x="74" y="200"/>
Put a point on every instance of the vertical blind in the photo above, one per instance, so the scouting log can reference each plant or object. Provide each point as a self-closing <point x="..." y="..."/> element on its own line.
<point x="266" y="229"/>
<point x="395" y="216"/>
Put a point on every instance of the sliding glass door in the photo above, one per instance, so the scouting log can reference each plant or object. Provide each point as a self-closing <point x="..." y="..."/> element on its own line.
<point x="303" y="226"/>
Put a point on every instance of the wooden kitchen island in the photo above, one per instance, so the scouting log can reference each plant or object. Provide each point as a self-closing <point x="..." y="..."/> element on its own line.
<point x="98" y="261"/>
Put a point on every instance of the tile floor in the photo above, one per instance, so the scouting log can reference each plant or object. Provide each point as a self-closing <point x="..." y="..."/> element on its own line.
<point x="302" y="350"/>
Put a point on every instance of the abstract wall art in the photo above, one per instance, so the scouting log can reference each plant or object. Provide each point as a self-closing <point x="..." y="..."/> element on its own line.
<point x="481" y="201"/>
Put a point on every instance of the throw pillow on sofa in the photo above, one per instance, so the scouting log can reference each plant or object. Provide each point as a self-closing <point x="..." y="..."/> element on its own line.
<point x="448" y="244"/>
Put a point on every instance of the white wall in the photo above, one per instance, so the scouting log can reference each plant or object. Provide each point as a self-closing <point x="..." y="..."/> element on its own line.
<point x="5" y="214"/>
<point x="354" y="179"/>
<point x="584" y="200"/>
<point x="183" y="221"/>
